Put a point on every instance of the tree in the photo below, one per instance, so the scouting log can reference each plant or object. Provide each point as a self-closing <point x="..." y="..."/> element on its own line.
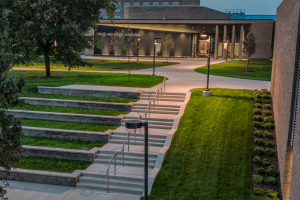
<point x="127" y="41"/>
<point x="104" y="44"/>
<point x="10" y="127"/>
<point x="168" y="43"/>
<point x="38" y="23"/>
<point x="250" y="45"/>
<point x="115" y="46"/>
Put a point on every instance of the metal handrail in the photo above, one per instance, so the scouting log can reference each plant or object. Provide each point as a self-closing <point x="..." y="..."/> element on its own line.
<point x="107" y="171"/>
<point x="148" y="108"/>
<point x="123" y="150"/>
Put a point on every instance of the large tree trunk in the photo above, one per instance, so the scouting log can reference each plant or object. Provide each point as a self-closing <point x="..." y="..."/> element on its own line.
<point x="47" y="61"/>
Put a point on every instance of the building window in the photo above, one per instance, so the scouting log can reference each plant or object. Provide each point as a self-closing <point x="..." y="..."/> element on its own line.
<point x="155" y="3"/>
<point x="118" y="6"/>
<point x="117" y="17"/>
<point x="165" y="3"/>
<point x="136" y="3"/>
<point x="175" y="3"/>
<point x="146" y="4"/>
<point x="126" y="4"/>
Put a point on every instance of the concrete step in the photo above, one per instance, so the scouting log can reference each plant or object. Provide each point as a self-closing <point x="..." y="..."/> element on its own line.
<point x="156" y="126"/>
<point x="130" y="154"/>
<point x="167" y="93"/>
<point x="113" y="177"/>
<point x="139" y="135"/>
<point x="163" y="96"/>
<point x="156" y="122"/>
<point x="150" y="119"/>
<point x="139" y="143"/>
<point x="156" y="108"/>
<point x="165" y="99"/>
<point x="120" y="162"/>
<point x="159" y="105"/>
<point x="132" y="138"/>
<point x="156" y="111"/>
<point x="126" y="158"/>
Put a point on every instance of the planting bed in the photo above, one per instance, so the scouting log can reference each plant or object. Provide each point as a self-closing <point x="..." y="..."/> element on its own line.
<point x="264" y="175"/>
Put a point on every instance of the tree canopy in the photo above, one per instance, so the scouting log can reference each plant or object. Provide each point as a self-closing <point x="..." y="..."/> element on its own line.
<point x="249" y="42"/>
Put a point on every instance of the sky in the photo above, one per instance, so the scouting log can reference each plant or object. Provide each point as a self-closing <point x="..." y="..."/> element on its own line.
<point x="252" y="7"/>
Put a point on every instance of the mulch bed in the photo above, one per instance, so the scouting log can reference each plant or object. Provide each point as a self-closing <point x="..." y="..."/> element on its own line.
<point x="273" y="160"/>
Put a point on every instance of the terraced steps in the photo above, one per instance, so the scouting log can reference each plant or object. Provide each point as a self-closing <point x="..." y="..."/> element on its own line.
<point x="176" y="97"/>
<point x="153" y="122"/>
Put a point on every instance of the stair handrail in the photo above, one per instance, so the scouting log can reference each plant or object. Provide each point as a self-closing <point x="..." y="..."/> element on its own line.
<point x="107" y="171"/>
<point x="123" y="147"/>
<point x="165" y="84"/>
<point x="148" y="108"/>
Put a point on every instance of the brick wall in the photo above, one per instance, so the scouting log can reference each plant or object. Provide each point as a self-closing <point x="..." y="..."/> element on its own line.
<point x="282" y="87"/>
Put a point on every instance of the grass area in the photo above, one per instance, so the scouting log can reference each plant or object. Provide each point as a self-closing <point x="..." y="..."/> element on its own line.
<point x="99" y="65"/>
<point x="52" y="165"/>
<point x="67" y="125"/>
<point x="210" y="156"/>
<point x="262" y="70"/>
<point x="60" y="143"/>
<point x="70" y="110"/>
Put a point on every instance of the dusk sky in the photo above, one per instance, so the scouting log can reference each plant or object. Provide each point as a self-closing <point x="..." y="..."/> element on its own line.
<point x="252" y="7"/>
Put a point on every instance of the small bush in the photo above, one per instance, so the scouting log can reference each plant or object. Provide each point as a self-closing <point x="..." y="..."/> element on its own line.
<point x="265" y="162"/>
<point x="270" y="152"/>
<point x="270" y="144"/>
<point x="257" y="160"/>
<point x="266" y="101"/>
<point x="268" y="126"/>
<point x="258" y="179"/>
<point x="267" y="106"/>
<point x="267" y="113"/>
<point x="268" y="119"/>
<point x="256" y="124"/>
<point x="268" y="135"/>
<point x="256" y="111"/>
<point x="259" y="150"/>
<point x="258" y="191"/>
<point x="272" y="171"/>
<point x="272" y="194"/>
<point x="270" y="181"/>
<point x="257" y="118"/>
<point x="258" y="101"/>
<point x="257" y="105"/>
<point x="258" y="134"/>
<point x="255" y="90"/>
<point x="259" y="141"/>
<point x="265" y="91"/>
<point x="260" y="170"/>
<point x="265" y="96"/>
<point x="257" y="96"/>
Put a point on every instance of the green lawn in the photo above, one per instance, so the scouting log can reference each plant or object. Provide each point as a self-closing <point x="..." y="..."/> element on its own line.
<point x="60" y="143"/>
<point x="52" y="165"/>
<point x="67" y="125"/>
<point x="99" y="65"/>
<point x="210" y="156"/>
<point x="70" y="110"/>
<point x="262" y="70"/>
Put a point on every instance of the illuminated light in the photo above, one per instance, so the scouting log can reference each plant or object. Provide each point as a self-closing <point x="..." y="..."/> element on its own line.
<point x="203" y="35"/>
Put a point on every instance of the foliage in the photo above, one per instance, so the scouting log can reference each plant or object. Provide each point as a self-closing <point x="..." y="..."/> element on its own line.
<point x="257" y="134"/>
<point x="272" y="194"/>
<point x="267" y="106"/>
<point x="257" y="118"/>
<point x="268" y="134"/>
<point x="10" y="89"/>
<point x="66" y="22"/>
<point x="265" y="162"/>
<point x="266" y="101"/>
<point x="256" y="111"/>
<point x="257" y="124"/>
<point x="272" y="171"/>
<point x="270" y="144"/>
<point x="257" y="105"/>
<point x="270" y="152"/>
<point x="258" y="96"/>
<point x="257" y="160"/>
<point x="265" y="91"/>
<point x="269" y="126"/>
<point x="249" y="42"/>
<point x="259" y="150"/>
<point x="270" y="181"/>
<point x="104" y="43"/>
<point x="258" y="101"/>
<point x="258" y="141"/>
<point x="268" y="119"/>
<point x="267" y="113"/>
<point x="258" y="191"/>
<point x="265" y="96"/>
<point x="169" y="44"/>
<point x="260" y="170"/>
<point x="258" y="179"/>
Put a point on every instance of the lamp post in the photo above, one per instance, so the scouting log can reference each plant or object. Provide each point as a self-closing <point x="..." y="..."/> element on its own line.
<point x="138" y="49"/>
<point x="207" y="92"/>
<point x="154" y="55"/>
<point x="134" y="124"/>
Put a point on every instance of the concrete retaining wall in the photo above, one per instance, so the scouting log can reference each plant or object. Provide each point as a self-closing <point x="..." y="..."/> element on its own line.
<point x="67" y="117"/>
<point x="82" y="92"/>
<point x="78" y="104"/>
<point x="67" y="134"/>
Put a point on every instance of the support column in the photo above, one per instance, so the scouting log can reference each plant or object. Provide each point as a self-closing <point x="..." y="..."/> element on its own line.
<point x="241" y="42"/>
<point x="233" y="42"/>
<point x="216" y="41"/>
<point x="224" y="38"/>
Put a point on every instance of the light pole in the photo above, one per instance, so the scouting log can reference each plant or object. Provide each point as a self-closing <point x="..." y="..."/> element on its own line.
<point x="154" y="55"/>
<point x="135" y="124"/>
<point x="138" y="49"/>
<point x="207" y="92"/>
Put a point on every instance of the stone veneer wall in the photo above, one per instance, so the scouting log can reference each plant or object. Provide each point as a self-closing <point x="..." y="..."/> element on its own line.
<point x="283" y="70"/>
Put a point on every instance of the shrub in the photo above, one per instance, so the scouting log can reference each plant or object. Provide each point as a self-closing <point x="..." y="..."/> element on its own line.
<point x="258" y="101"/>
<point x="260" y="170"/>
<point x="258" y="191"/>
<point x="267" y="106"/>
<point x="256" y="111"/>
<point x="270" y="181"/>
<point x="265" y="162"/>
<point x="258" y="141"/>
<point x="265" y="91"/>
<point x="267" y="113"/>
<point x="268" y="135"/>
<point x="265" y="96"/>
<point x="257" y="160"/>
<point x="268" y="119"/>
<point x="272" y="171"/>
<point x="257" y="134"/>
<point x="257" y="96"/>
<point x="268" y="126"/>
<point x="256" y="124"/>
<point x="259" y="150"/>
<point x="266" y="101"/>
<point x="257" y="105"/>
<point x="272" y="194"/>
<point x="270" y="144"/>
<point x="258" y="179"/>
<point x="270" y="152"/>
<point x="257" y="118"/>
<point x="255" y="90"/>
